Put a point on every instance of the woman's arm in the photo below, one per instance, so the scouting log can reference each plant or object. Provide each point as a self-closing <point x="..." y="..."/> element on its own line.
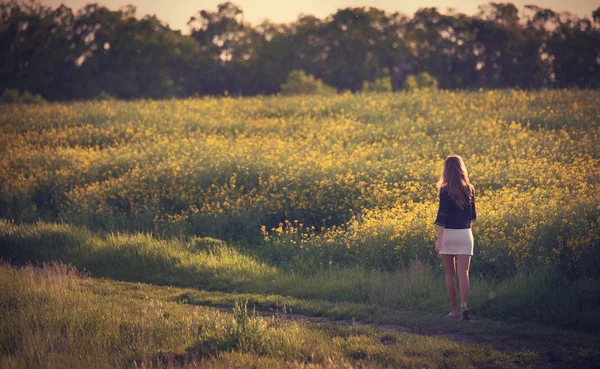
<point x="438" y="244"/>
<point x="473" y="210"/>
<point x="440" y="220"/>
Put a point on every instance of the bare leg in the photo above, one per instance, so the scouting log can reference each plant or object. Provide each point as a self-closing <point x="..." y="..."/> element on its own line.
<point x="462" y="268"/>
<point x="450" y="272"/>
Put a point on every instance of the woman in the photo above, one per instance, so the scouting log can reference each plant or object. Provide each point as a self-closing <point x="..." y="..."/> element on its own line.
<point x="455" y="239"/>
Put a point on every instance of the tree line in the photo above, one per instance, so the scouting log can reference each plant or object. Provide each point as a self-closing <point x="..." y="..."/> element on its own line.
<point x="64" y="54"/>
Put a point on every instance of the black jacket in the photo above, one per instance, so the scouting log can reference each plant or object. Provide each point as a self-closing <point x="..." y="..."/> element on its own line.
<point x="451" y="216"/>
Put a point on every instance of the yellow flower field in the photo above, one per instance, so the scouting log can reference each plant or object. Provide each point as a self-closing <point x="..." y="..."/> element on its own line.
<point x="305" y="181"/>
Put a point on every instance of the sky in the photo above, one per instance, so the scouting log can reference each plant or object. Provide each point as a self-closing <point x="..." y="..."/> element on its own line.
<point x="177" y="12"/>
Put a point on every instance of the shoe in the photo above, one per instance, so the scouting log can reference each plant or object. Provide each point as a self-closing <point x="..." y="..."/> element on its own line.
<point x="450" y="315"/>
<point x="465" y="314"/>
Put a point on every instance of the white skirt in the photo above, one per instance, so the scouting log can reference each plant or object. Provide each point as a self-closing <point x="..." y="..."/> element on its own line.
<point x="457" y="242"/>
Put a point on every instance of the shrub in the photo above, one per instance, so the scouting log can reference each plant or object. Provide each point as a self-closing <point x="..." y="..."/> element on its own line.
<point x="29" y="98"/>
<point x="425" y="80"/>
<point x="105" y="96"/>
<point x="12" y="96"/>
<point x="383" y="84"/>
<point x="245" y="331"/>
<point x="411" y="83"/>
<point x="422" y="81"/>
<point x="300" y="83"/>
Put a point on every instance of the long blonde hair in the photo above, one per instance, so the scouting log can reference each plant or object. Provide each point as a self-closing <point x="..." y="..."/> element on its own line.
<point x="455" y="180"/>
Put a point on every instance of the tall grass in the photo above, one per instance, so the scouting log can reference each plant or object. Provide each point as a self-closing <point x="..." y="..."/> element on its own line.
<point x="51" y="318"/>
<point x="542" y="295"/>
<point x="132" y="257"/>
<point x="50" y="321"/>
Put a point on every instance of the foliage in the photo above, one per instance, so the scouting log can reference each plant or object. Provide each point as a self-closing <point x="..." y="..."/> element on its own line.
<point x="383" y="84"/>
<point x="426" y="81"/>
<point x="422" y="81"/>
<point x="347" y="178"/>
<point x="104" y="96"/>
<point x="10" y="95"/>
<point x="28" y="98"/>
<point x="135" y="257"/>
<point x="63" y="53"/>
<point x="539" y="295"/>
<point x="411" y="83"/>
<point x="300" y="83"/>
<point x="13" y="96"/>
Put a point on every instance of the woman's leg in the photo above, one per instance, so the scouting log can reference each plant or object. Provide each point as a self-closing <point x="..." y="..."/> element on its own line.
<point x="462" y="268"/>
<point x="450" y="272"/>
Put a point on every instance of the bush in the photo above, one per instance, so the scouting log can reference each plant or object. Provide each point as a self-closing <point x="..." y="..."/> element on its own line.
<point x="422" y="81"/>
<point x="411" y="83"/>
<point x="383" y="84"/>
<point x="28" y="98"/>
<point x="425" y="80"/>
<point x="11" y="95"/>
<point x="300" y="83"/>
<point x="104" y="96"/>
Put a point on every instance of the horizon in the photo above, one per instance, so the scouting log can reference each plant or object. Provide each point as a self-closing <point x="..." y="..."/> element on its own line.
<point x="176" y="13"/>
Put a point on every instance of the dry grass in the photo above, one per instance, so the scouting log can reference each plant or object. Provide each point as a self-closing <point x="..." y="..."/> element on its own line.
<point x="53" y="319"/>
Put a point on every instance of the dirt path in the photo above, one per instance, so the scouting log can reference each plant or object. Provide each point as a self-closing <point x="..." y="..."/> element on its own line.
<point x="546" y="353"/>
<point x="556" y="348"/>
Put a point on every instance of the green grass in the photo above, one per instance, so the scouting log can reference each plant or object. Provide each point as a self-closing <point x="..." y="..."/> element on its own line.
<point x="326" y="208"/>
<point x="539" y="296"/>
<point x="132" y="257"/>
<point x="54" y="317"/>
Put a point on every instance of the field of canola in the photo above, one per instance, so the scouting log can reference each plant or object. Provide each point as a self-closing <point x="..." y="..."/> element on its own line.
<point x="304" y="182"/>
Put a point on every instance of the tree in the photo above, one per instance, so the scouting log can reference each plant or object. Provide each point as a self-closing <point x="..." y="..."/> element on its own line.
<point x="219" y="34"/>
<point x="350" y="54"/>
<point x="128" y="57"/>
<point x="65" y="55"/>
<point x="575" y="50"/>
<point x="36" y="48"/>
<point x="443" y="47"/>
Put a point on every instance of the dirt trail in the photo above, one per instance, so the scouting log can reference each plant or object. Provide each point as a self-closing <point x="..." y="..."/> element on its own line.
<point x="516" y="345"/>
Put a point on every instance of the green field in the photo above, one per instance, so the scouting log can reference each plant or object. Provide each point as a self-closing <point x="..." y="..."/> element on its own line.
<point x="324" y="205"/>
